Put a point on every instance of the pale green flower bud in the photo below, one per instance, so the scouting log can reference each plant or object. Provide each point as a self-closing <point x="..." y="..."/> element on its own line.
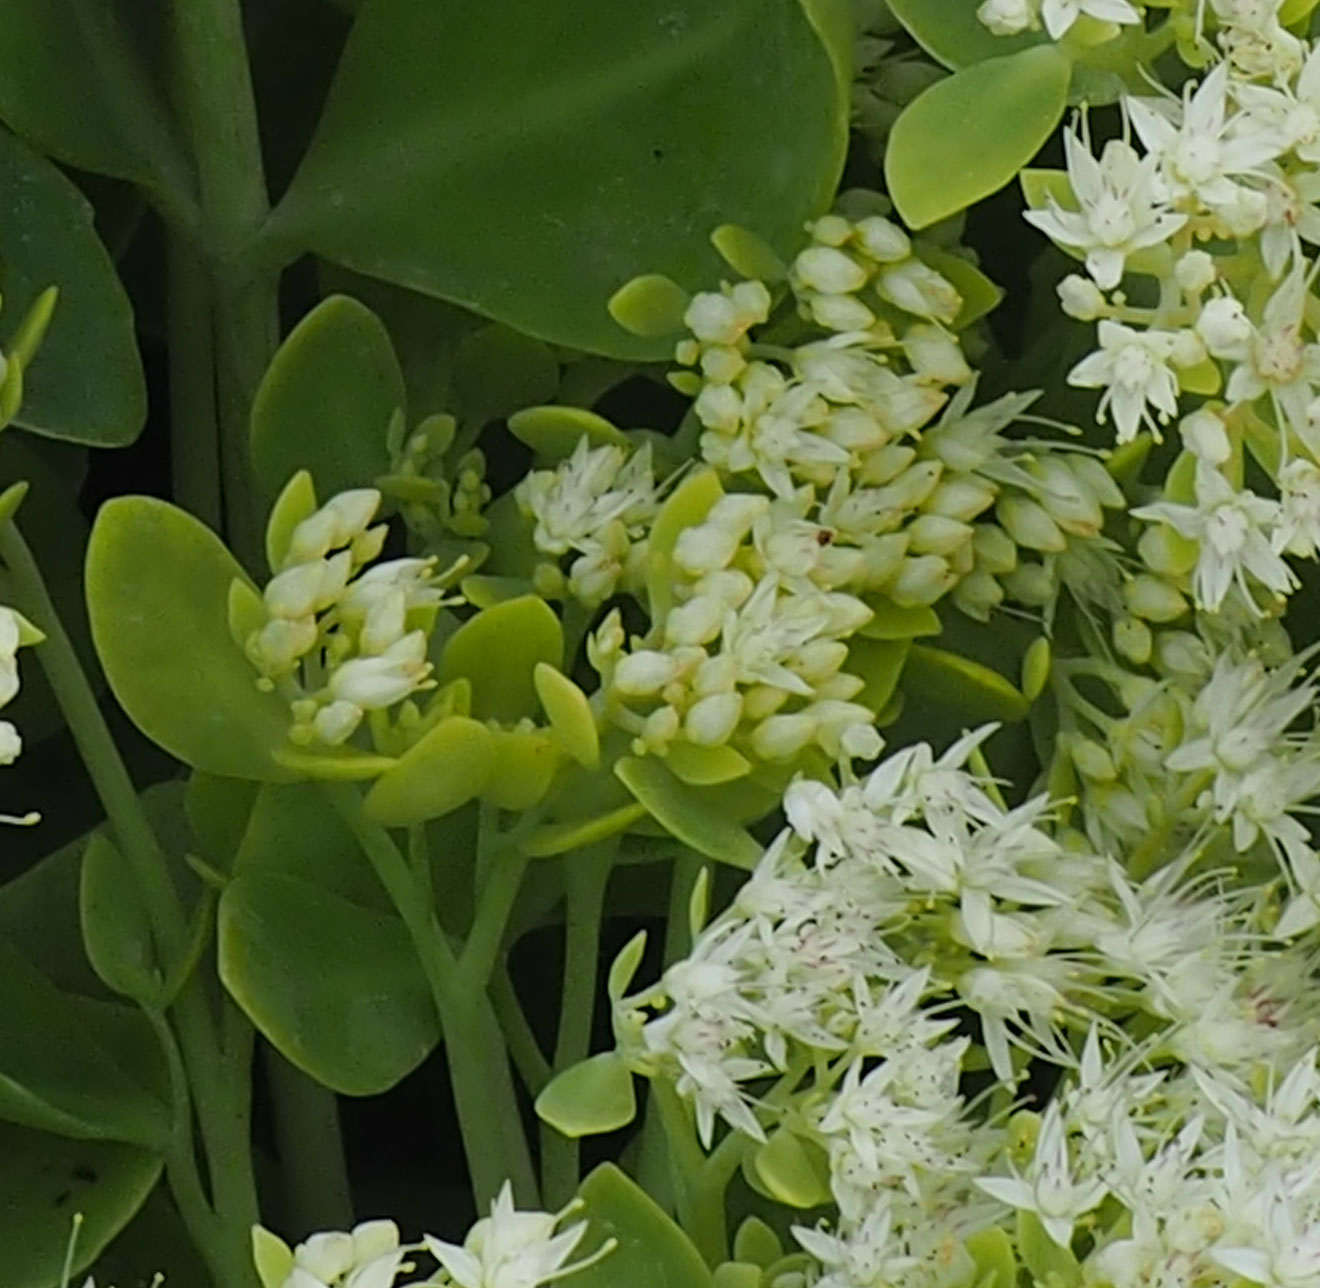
<point x="714" y="318"/>
<point x="1037" y="663"/>
<point x="830" y="230"/>
<point x="935" y="355"/>
<point x="845" y="614"/>
<point x="783" y="737"/>
<point x="658" y="730"/>
<point x="730" y="586"/>
<point x="1224" y="327"/>
<point x="911" y="488"/>
<point x="336" y="722"/>
<point x="1080" y="298"/>
<point x="721" y="365"/>
<point x="1029" y="524"/>
<point x="281" y="643"/>
<point x="1182" y="654"/>
<point x="1092" y="760"/>
<point x="697" y="622"/>
<point x="1030" y="584"/>
<point x="719" y="407"/>
<point x="961" y="497"/>
<point x="1167" y="552"/>
<point x="1006" y="17"/>
<point x="1132" y="638"/>
<point x="909" y="405"/>
<point x="839" y="687"/>
<point x="828" y="270"/>
<point x="882" y="239"/>
<point x="1187" y="349"/>
<point x="882" y="556"/>
<point x="712" y="720"/>
<point x="1101" y="482"/>
<point x="854" y="430"/>
<point x="1066" y="497"/>
<point x="645" y="671"/>
<point x="11" y="743"/>
<point x="922" y="580"/>
<point x="374" y="683"/>
<point x="763" y="700"/>
<point x="1154" y="599"/>
<point x="839" y="312"/>
<point x="817" y="660"/>
<point x="935" y="534"/>
<point x="977" y="594"/>
<point x="1205" y="435"/>
<point x="1194" y="271"/>
<point x="335" y="524"/>
<point x="887" y="464"/>
<point x="995" y="550"/>
<point x="919" y="290"/>
<point x="367" y="545"/>
<point x="385" y="621"/>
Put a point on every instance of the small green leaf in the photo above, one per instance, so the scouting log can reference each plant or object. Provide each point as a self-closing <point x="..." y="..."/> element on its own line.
<point x="698" y="823"/>
<point x="651" y="1251"/>
<point x="890" y="622"/>
<point x="977" y="692"/>
<point x="569" y="712"/>
<point x="736" y="1274"/>
<point x="992" y="1251"/>
<point x="115" y="925"/>
<point x="86" y="385"/>
<point x="296" y="502"/>
<point x="525" y="764"/>
<point x="688" y="504"/>
<point x="702" y="766"/>
<point x="447" y="767"/>
<point x="757" y="1243"/>
<point x="45" y="1180"/>
<point x="554" y="432"/>
<point x="786" y="1169"/>
<point x="326" y="400"/>
<point x="966" y="137"/>
<point x="271" y="1256"/>
<point x="218" y="810"/>
<point x="576" y="834"/>
<point x="1048" y="1263"/>
<point x="334" y="986"/>
<point x="624" y="966"/>
<point x="157" y="593"/>
<point x="652" y="305"/>
<point x="748" y="254"/>
<point x="589" y="1098"/>
<point x="880" y="664"/>
<point x="498" y="650"/>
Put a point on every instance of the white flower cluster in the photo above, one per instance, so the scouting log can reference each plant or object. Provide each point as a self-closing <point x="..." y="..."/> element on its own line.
<point x="337" y="638"/>
<point x="596" y="506"/>
<point x="821" y="1004"/>
<point x="1009" y="17"/>
<point x="507" y="1249"/>
<point x="15" y="632"/>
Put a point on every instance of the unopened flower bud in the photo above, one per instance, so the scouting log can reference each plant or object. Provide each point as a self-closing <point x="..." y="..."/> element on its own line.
<point x="1092" y="760"/>
<point x="658" y="729"/>
<point x="887" y="463"/>
<point x="935" y="355"/>
<point x="961" y="497"/>
<point x="1187" y="349"/>
<point x="936" y="534"/>
<point x="645" y="671"/>
<point x="1029" y="524"/>
<point x="1132" y="638"/>
<point x="830" y="230"/>
<point x="854" y="430"/>
<point x="1167" y="552"/>
<point x="1182" y="654"/>
<point x="977" y="594"/>
<point x="712" y="720"/>
<point x="714" y="318"/>
<point x="919" y="290"/>
<point x="882" y="239"/>
<point x="719" y="407"/>
<point x="1205" y="435"/>
<point x="1037" y="663"/>
<point x="840" y="312"/>
<point x="1006" y="17"/>
<point x="828" y="270"/>
<point x="1224" y="327"/>
<point x="1154" y="599"/>
<point x="1080" y="298"/>
<point x="1067" y="498"/>
<point x="782" y="737"/>
<point x="995" y="550"/>
<point x="1030" y="584"/>
<point x="696" y="622"/>
<point x="921" y="580"/>
<point x="336" y="722"/>
<point x="722" y="364"/>
<point x="1194" y="271"/>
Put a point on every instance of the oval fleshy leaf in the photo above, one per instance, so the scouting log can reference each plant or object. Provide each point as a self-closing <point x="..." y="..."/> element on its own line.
<point x="498" y="650"/>
<point x="447" y="767"/>
<point x="588" y="1098"/>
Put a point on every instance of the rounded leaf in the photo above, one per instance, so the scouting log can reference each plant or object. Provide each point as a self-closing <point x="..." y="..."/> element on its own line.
<point x="334" y="986"/>
<point x="326" y="400"/>
<point x="448" y="766"/>
<point x="785" y="1167"/>
<point x="589" y="1098"/>
<point x="526" y="761"/>
<point x="157" y="594"/>
<point x="967" y="136"/>
<point x="116" y="927"/>
<point x="651" y="305"/>
<point x="554" y="432"/>
<point x="460" y="162"/>
<point x="498" y="650"/>
<point x="86" y="384"/>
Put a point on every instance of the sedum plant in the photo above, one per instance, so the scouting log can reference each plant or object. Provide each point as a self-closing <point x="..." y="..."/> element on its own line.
<point x="799" y="668"/>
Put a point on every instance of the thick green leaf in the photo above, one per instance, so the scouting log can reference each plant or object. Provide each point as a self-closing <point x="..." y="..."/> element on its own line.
<point x="497" y="370"/>
<point x="950" y="32"/>
<point x="157" y="590"/>
<point x="447" y="767"/>
<point x="45" y="1180"/>
<point x="498" y="650"/>
<point x="115" y="924"/>
<point x="785" y="1167"/>
<point x="692" y="819"/>
<point x="57" y="1073"/>
<point x="591" y="1097"/>
<point x="1047" y="1262"/>
<point x="976" y="691"/>
<point x="218" y="811"/>
<point x="86" y="383"/>
<point x="968" y="136"/>
<point x="326" y="400"/>
<point x="460" y="162"/>
<point x="334" y="986"/>
<point x="75" y="81"/>
<point x="652" y="1251"/>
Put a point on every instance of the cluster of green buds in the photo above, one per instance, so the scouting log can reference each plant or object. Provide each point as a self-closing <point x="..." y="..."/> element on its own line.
<point x="437" y="499"/>
<point x="336" y="638"/>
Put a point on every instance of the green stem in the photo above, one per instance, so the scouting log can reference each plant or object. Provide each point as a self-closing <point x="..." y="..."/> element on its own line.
<point x="525" y="1051"/>
<point x="500" y="869"/>
<point x="317" y="1195"/>
<point x="194" y="429"/>
<point x="474" y="1047"/>
<point x="227" y="1153"/>
<point x="586" y="876"/>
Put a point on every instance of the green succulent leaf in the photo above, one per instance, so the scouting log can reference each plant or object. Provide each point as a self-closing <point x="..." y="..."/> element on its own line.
<point x="977" y="692"/>
<point x="86" y="383"/>
<point x="969" y="135"/>
<point x="334" y="986"/>
<point x="157" y="593"/>
<point x="115" y="924"/>
<point x="326" y="400"/>
<point x="451" y="159"/>
<point x="498" y="651"/>
<point x="448" y="766"/>
<point x="593" y="1096"/>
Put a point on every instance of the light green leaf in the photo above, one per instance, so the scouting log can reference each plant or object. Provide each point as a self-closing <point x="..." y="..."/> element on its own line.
<point x="951" y="33"/>
<point x="447" y="767"/>
<point x="624" y="966"/>
<point x="688" y="504"/>
<point x="86" y="383"/>
<point x="748" y="255"/>
<point x="786" y="1169"/>
<point x="272" y="1257"/>
<point x="336" y="987"/>
<point x="462" y="163"/>
<point x="115" y="924"/>
<point x="880" y="664"/>
<point x="326" y="400"/>
<point x="651" y="1251"/>
<point x="651" y="305"/>
<point x="497" y="370"/>
<point x="975" y="691"/>
<point x="498" y="650"/>
<point x="45" y="1180"/>
<point x="526" y="762"/>
<point x="576" y="834"/>
<point x="569" y="712"/>
<point x="157" y="594"/>
<point x="588" y="1098"/>
<point x="968" y="136"/>
<point x="702" y="766"/>
<point x="1048" y="1263"/>
<point x="697" y="822"/>
<point x="992" y="1250"/>
<point x="891" y="622"/>
<point x="757" y="1243"/>
<point x="554" y="432"/>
